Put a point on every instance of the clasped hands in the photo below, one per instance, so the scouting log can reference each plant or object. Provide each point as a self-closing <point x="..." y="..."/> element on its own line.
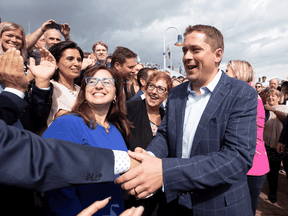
<point x="145" y="175"/>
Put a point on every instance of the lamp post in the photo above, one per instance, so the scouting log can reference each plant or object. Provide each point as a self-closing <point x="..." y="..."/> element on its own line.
<point x="179" y="43"/>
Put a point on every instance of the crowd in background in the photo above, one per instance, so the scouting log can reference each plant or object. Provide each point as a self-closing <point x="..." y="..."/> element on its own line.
<point x="79" y="97"/>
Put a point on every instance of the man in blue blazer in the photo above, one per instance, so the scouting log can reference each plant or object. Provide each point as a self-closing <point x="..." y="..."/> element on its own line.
<point x="205" y="144"/>
<point x="27" y="161"/>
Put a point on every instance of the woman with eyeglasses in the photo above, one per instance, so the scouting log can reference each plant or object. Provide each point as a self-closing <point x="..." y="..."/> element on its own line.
<point x="98" y="119"/>
<point x="146" y="116"/>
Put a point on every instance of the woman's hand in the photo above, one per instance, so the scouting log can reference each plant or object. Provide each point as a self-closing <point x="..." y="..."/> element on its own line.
<point x="88" y="62"/>
<point x="268" y="107"/>
<point x="89" y="211"/>
<point x="45" y="70"/>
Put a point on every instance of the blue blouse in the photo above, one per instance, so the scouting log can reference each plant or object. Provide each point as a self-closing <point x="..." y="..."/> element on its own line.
<point x="71" y="201"/>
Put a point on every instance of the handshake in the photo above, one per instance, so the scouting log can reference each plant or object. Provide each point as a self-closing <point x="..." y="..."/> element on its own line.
<point x="145" y="175"/>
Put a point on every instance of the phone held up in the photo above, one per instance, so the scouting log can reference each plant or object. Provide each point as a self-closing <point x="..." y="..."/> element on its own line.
<point x="55" y="26"/>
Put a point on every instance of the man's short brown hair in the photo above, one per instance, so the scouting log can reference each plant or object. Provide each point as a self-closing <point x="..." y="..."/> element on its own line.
<point x="213" y="36"/>
<point x="99" y="43"/>
<point x="121" y="54"/>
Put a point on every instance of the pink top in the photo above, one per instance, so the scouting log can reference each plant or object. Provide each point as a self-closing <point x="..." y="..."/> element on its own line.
<point x="260" y="162"/>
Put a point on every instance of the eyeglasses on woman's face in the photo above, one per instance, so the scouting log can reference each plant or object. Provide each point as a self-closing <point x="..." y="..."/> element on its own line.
<point x="160" y="89"/>
<point x="92" y="81"/>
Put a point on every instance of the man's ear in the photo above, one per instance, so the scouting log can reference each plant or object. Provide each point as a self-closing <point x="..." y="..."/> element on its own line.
<point x="143" y="82"/>
<point x="117" y="66"/>
<point x="218" y="55"/>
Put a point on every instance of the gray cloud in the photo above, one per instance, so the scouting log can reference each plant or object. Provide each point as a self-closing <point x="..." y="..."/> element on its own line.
<point x="254" y="30"/>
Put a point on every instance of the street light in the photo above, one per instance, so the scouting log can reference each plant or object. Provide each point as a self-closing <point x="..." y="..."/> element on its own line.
<point x="179" y="42"/>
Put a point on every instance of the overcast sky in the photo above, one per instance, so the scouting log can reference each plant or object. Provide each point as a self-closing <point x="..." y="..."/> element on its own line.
<point x="254" y="30"/>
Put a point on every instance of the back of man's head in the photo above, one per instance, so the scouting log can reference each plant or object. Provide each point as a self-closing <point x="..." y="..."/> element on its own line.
<point x="121" y="54"/>
<point x="143" y="74"/>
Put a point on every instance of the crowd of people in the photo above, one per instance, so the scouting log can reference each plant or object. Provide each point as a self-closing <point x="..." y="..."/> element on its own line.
<point x="184" y="145"/>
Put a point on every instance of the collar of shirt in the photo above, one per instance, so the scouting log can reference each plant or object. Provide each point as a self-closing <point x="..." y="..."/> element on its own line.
<point x="106" y="64"/>
<point x="195" y="107"/>
<point x="210" y="87"/>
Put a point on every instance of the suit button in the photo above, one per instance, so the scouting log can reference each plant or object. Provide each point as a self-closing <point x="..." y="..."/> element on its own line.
<point x="88" y="176"/>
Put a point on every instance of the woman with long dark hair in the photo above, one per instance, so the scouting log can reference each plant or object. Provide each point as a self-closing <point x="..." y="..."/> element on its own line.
<point x="98" y="119"/>
<point x="69" y="58"/>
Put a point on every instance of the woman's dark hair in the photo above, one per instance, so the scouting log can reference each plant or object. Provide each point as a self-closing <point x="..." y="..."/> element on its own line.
<point x="57" y="50"/>
<point x="117" y="111"/>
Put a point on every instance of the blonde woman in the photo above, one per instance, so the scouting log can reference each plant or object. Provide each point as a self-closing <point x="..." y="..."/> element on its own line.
<point x="243" y="70"/>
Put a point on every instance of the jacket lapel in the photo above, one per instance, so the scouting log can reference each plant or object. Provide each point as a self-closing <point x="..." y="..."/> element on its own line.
<point x="217" y="96"/>
<point x="180" y="114"/>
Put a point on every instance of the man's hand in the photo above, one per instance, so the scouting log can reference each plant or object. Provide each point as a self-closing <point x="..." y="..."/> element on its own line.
<point x="140" y="150"/>
<point x="46" y="26"/>
<point x="134" y="163"/>
<point x="88" y="62"/>
<point x="65" y="31"/>
<point x="144" y="179"/>
<point x="45" y="70"/>
<point x="89" y="211"/>
<point x="280" y="148"/>
<point x="12" y="70"/>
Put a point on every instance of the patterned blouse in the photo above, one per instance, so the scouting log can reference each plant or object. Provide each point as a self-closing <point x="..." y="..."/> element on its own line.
<point x="154" y="128"/>
<point x="273" y="127"/>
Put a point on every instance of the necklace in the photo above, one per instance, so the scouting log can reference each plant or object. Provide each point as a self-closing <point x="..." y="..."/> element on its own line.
<point x="74" y="93"/>
<point x="106" y="128"/>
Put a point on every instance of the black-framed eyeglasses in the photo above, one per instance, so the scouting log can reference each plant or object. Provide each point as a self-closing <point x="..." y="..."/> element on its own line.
<point x="160" y="89"/>
<point x="92" y="81"/>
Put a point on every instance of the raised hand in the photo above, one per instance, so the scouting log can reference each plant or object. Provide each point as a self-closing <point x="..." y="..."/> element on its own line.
<point x="11" y="70"/>
<point x="88" y="62"/>
<point x="45" y="70"/>
<point x="46" y="25"/>
<point x="143" y="179"/>
<point x="65" y="31"/>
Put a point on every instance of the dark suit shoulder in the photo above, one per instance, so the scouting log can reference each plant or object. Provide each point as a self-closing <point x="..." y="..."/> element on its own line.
<point x="179" y="90"/>
<point x="134" y="106"/>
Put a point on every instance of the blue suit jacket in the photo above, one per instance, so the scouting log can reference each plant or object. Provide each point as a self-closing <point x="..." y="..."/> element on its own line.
<point x="30" y="162"/>
<point x="213" y="180"/>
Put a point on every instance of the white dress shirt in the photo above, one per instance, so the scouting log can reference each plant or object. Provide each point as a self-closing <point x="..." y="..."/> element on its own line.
<point x="195" y="106"/>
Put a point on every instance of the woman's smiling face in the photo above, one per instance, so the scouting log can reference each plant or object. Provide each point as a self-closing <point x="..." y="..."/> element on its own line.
<point x="11" y="38"/>
<point x="100" y="95"/>
<point x="273" y="99"/>
<point x="153" y="97"/>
